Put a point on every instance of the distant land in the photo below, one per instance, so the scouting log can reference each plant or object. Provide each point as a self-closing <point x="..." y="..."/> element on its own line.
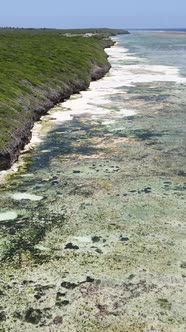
<point x="159" y="29"/>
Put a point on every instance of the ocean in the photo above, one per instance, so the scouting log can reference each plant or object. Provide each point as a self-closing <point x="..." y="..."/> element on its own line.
<point x="96" y="210"/>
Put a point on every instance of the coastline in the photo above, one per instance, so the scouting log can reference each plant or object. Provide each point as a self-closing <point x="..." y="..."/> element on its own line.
<point x="7" y="159"/>
<point x="93" y="231"/>
<point x="22" y="135"/>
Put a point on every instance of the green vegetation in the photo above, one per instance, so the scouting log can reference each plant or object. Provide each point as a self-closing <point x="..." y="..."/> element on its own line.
<point x="40" y="67"/>
<point x="105" y="31"/>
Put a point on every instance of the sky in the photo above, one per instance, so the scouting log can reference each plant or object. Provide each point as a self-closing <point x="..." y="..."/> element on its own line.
<point x="95" y="13"/>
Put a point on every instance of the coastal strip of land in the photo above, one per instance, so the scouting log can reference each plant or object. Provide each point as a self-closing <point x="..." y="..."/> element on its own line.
<point x="40" y="68"/>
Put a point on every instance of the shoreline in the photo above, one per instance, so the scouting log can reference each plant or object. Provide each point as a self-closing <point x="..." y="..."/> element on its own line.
<point x="41" y="127"/>
<point x="35" y="139"/>
<point x="92" y="234"/>
<point x="23" y="136"/>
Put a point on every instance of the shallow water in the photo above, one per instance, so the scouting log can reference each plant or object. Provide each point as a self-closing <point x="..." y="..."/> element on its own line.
<point x="101" y="197"/>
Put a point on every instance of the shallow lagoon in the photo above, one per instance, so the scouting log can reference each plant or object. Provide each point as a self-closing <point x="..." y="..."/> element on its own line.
<point x="97" y="241"/>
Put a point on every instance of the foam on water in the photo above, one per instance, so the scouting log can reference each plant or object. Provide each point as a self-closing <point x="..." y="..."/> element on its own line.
<point x="141" y="72"/>
<point x="9" y="215"/>
<point x="77" y="109"/>
<point x="19" y="196"/>
<point x="96" y="100"/>
<point x="107" y="122"/>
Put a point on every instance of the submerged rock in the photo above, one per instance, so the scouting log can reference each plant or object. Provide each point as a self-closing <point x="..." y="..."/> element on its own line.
<point x="33" y="316"/>
<point x="124" y="238"/>
<point x="71" y="246"/>
<point x="58" y="320"/>
<point x="89" y="279"/>
<point x="96" y="238"/>
<point x="99" y="251"/>
<point x="2" y="316"/>
<point x="68" y="285"/>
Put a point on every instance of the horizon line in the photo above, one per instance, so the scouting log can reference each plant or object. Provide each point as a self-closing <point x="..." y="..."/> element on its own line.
<point x="80" y="28"/>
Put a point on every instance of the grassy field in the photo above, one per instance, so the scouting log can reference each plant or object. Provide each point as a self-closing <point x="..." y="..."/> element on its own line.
<point x="36" y="65"/>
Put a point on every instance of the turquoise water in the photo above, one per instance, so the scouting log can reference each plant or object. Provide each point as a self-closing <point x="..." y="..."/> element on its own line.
<point x="158" y="48"/>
